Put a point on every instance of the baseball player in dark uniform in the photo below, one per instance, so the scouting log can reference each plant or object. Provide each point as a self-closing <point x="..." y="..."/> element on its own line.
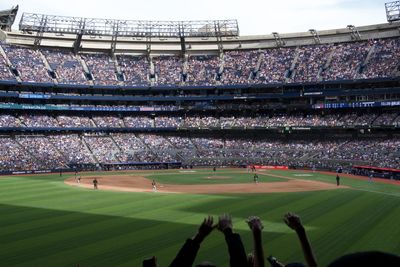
<point x="255" y="178"/>
<point x="95" y="182"/>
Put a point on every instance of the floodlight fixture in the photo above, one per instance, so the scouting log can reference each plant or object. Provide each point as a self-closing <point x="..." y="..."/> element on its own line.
<point x="392" y="11"/>
<point x="129" y="28"/>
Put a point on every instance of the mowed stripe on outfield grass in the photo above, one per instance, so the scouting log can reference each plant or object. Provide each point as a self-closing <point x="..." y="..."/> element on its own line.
<point x="376" y="186"/>
<point x="46" y="223"/>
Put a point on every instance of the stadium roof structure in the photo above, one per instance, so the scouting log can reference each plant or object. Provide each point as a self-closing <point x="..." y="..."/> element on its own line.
<point x="31" y="22"/>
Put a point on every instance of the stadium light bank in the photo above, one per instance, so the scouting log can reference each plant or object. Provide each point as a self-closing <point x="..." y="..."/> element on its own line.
<point x="31" y="22"/>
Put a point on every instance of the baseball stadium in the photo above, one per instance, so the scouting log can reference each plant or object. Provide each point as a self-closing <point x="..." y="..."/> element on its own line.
<point x="122" y="142"/>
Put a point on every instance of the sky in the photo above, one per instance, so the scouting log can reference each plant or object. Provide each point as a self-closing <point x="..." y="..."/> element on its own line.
<point x="255" y="17"/>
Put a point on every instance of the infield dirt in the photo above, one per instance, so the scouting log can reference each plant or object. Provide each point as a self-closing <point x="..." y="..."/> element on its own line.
<point x="137" y="183"/>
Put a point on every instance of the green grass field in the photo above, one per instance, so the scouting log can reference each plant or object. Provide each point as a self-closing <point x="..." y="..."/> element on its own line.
<point x="44" y="222"/>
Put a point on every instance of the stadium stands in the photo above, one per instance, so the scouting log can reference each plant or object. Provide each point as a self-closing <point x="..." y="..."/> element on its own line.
<point x="196" y="132"/>
<point x="135" y="69"/>
<point x="34" y="152"/>
<point x="202" y="121"/>
<point x="325" y="62"/>
<point x="275" y="66"/>
<point x="66" y="66"/>
<point x="239" y="66"/>
<point x="383" y="61"/>
<point x="102" y="68"/>
<point x="168" y="70"/>
<point x="57" y="151"/>
<point x="202" y="70"/>
<point x="346" y="61"/>
<point x="28" y="63"/>
<point x="5" y="73"/>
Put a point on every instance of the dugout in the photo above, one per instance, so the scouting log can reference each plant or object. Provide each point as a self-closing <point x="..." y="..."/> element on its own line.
<point x="377" y="172"/>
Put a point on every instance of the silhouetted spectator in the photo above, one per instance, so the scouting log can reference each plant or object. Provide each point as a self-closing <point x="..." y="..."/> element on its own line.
<point x="367" y="259"/>
<point x="188" y="252"/>
<point x="151" y="262"/>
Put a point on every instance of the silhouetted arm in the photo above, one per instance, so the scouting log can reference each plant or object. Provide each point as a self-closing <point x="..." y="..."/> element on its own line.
<point x="256" y="228"/>
<point x="294" y="222"/>
<point x="188" y="252"/>
<point x="236" y="250"/>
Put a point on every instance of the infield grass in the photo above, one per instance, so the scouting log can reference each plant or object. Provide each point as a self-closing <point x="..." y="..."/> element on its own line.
<point x="221" y="176"/>
<point x="47" y="223"/>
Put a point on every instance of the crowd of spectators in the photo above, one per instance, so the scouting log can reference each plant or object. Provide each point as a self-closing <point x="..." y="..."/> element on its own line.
<point x="72" y="148"/>
<point x="138" y="122"/>
<point x="232" y="121"/>
<point x="28" y="63"/>
<point x="108" y="121"/>
<point x="132" y="149"/>
<point x="236" y="151"/>
<point x="396" y="121"/>
<point x="14" y="157"/>
<point x="158" y="142"/>
<point x="349" y="119"/>
<point x="239" y="66"/>
<point x="102" y="68"/>
<point x="310" y="61"/>
<point x="385" y="119"/>
<point x="384" y="60"/>
<point x="38" y="120"/>
<point x="342" y="61"/>
<point x="103" y="148"/>
<point x="346" y="61"/>
<point x="200" y="121"/>
<point x="44" y="153"/>
<point x="5" y="73"/>
<point x="275" y="65"/>
<point x="181" y="142"/>
<point x="66" y="66"/>
<point x="168" y="70"/>
<point x="74" y="121"/>
<point x="135" y="69"/>
<point x="166" y="121"/>
<point x="7" y="120"/>
<point x="202" y="70"/>
<point x="380" y="152"/>
<point x="56" y="151"/>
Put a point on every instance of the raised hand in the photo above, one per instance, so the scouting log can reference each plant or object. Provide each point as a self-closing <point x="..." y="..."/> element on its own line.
<point x="224" y="222"/>
<point x="207" y="226"/>
<point x="255" y="223"/>
<point x="293" y="221"/>
<point x="256" y="227"/>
